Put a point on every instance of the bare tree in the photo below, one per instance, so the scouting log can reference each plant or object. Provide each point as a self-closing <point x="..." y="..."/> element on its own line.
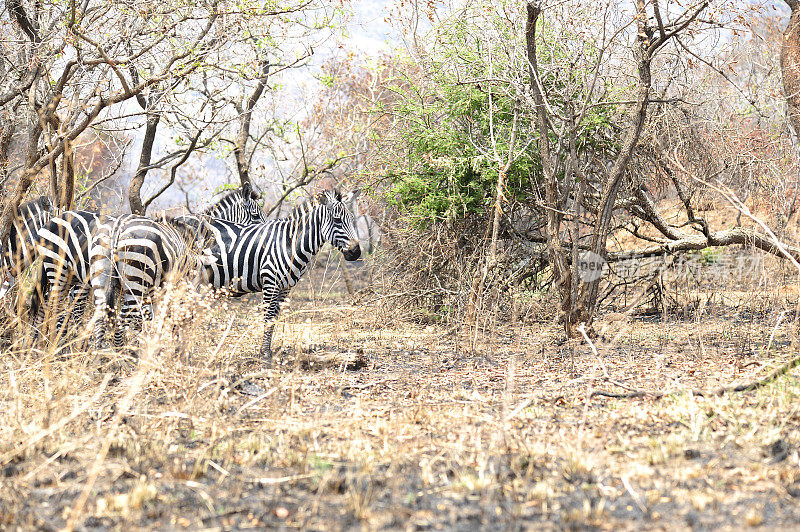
<point x="560" y="157"/>
<point x="62" y="79"/>
<point x="790" y="65"/>
<point x="78" y="81"/>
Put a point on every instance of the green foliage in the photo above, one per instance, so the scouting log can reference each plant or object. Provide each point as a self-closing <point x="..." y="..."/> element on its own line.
<point x="447" y="174"/>
<point x="709" y="255"/>
<point x="327" y="80"/>
<point x="458" y="115"/>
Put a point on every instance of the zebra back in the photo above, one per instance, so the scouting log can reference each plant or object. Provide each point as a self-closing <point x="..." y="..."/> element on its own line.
<point x="65" y="242"/>
<point x="145" y="252"/>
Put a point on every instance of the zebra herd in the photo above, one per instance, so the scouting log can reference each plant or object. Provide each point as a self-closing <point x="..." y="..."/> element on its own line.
<point x="124" y="260"/>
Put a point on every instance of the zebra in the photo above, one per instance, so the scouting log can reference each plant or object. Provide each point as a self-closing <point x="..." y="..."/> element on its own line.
<point x="67" y="242"/>
<point x="272" y="257"/>
<point x="19" y="250"/>
<point x="239" y="206"/>
<point x="140" y="256"/>
<point x="66" y="245"/>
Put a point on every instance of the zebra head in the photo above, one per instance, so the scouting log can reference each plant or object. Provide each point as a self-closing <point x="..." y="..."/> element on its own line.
<point x="197" y="258"/>
<point x="33" y="215"/>
<point x="251" y="205"/>
<point x="240" y="206"/>
<point x="339" y="227"/>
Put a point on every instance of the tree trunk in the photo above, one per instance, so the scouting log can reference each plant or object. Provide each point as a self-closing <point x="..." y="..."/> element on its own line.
<point x="790" y="66"/>
<point x="135" y="188"/>
<point x="562" y="275"/>
<point x="580" y="309"/>
<point x="11" y="204"/>
<point x="7" y="130"/>
<point x="66" y="197"/>
<point x="246" y="114"/>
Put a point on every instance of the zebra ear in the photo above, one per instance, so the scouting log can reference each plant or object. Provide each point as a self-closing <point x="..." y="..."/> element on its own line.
<point x="324" y="197"/>
<point x="46" y="203"/>
<point x="351" y="196"/>
<point x="247" y="190"/>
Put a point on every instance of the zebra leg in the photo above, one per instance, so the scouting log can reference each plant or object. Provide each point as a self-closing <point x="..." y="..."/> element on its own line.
<point x="59" y="294"/>
<point x="41" y="290"/>
<point x="131" y="317"/>
<point x="123" y="324"/>
<point x="112" y="304"/>
<point x="46" y="302"/>
<point x="101" y="274"/>
<point x="106" y="293"/>
<point x="79" y="295"/>
<point x="271" y="307"/>
<point x="272" y="298"/>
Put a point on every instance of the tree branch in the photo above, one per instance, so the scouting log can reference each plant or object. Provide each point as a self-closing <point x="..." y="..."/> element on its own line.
<point x="174" y="169"/>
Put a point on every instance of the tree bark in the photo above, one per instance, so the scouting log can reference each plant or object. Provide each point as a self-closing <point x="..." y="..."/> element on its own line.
<point x="135" y="188"/>
<point x="66" y="197"/>
<point x="10" y="206"/>
<point x="790" y="66"/>
<point x="562" y="275"/>
<point x="25" y="179"/>
<point x="246" y="114"/>
<point x="583" y="309"/>
<point x="6" y="135"/>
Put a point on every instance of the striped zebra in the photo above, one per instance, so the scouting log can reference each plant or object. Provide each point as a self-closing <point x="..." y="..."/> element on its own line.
<point x="272" y="257"/>
<point x="67" y="241"/>
<point x="240" y="206"/>
<point x="66" y="245"/>
<point x="19" y="250"/>
<point x="140" y="256"/>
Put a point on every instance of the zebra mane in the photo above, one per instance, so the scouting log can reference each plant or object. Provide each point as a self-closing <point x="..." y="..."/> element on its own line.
<point x="323" y="198"/>
<point x="193" y="230"/>
<point x="331" y="194"/>
<point x="42" y="201"/>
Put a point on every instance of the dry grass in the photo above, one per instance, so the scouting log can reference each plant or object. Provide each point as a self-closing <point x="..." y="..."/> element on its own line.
<point x="368" y="422"/>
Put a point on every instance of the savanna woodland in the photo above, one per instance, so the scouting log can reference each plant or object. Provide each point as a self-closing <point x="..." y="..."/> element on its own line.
<point x="476" y="264"/>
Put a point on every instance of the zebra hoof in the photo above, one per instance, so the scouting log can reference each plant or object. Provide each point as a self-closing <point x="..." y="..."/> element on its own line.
<point x="266" y="358"/>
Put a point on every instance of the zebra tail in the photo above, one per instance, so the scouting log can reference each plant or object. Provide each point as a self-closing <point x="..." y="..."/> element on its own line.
<point x="113" y="290"/>
<point x="115" y="277"/>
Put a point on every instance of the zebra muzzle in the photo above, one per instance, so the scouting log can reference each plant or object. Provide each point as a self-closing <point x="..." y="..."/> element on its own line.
<point x="352" y="252"/>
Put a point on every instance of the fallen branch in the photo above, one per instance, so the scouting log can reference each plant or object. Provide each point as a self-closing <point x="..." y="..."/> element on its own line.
<point x="747" y="387"/>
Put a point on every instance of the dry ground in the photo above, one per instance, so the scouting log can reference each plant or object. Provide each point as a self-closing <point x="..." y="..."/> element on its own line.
<point x="373" y="423"/>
